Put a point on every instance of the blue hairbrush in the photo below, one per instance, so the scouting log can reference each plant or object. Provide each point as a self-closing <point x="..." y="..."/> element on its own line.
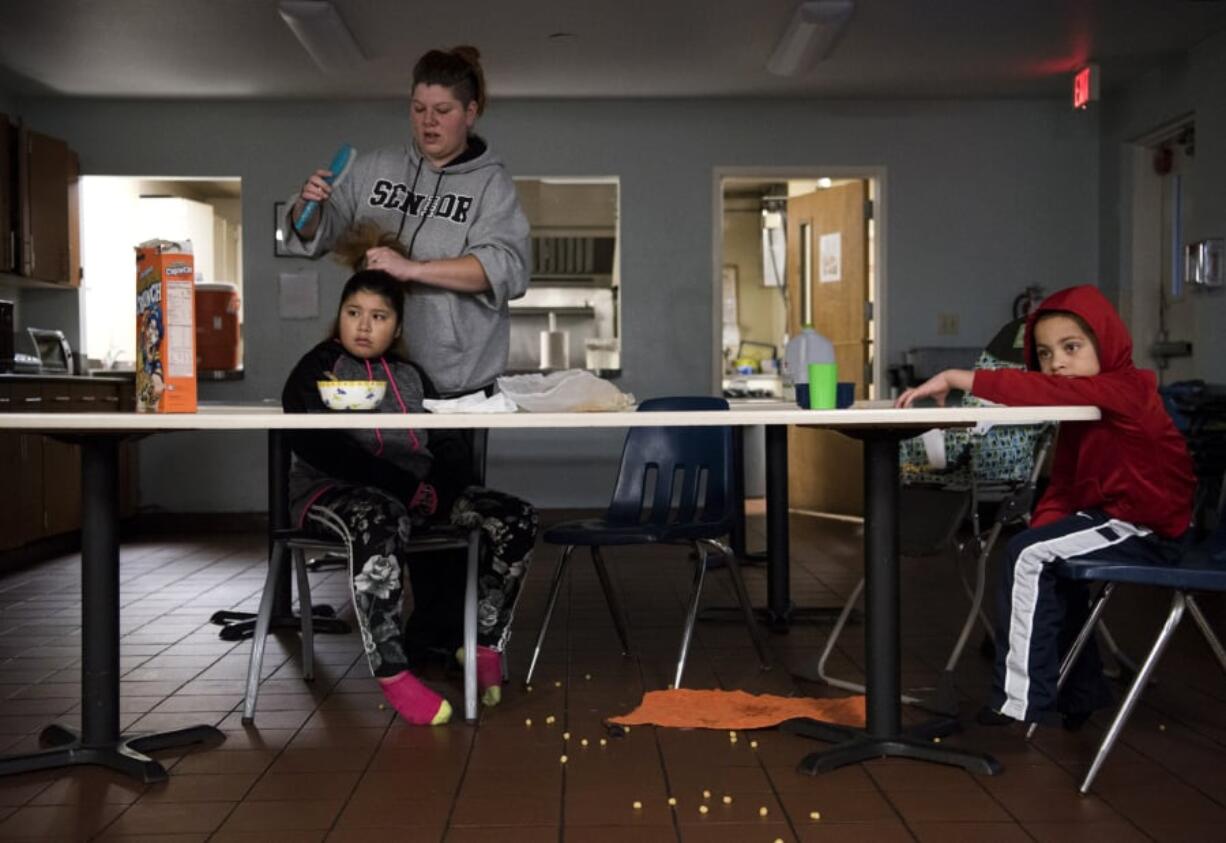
<point x="339" y="168"/>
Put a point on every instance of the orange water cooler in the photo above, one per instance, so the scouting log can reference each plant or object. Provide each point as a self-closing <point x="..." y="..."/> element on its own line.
<point x="217" y="327"/>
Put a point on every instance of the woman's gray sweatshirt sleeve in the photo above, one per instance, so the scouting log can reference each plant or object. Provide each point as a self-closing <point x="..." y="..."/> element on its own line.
<point x="499" y="239"/>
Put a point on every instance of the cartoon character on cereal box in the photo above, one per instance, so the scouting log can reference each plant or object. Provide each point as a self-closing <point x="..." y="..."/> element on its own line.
<point x="150" y="383"/>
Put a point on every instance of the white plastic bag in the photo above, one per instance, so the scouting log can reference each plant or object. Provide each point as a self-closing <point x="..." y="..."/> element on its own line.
<point x="570" y="390"/>
<point x="473" y="402"/>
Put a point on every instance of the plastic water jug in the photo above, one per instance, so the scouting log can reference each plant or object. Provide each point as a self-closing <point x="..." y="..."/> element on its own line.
<point x="810" y="349"/>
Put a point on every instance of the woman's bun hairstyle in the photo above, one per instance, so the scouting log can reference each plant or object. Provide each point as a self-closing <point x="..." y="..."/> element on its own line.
<point x="351" y="246"/>
<point x="458" y="69"/>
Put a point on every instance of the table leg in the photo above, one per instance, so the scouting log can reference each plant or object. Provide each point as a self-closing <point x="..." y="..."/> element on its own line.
<point x="779" y="612"/>
<point x="737" y="540"/>
<point x="883" y="735"/>
<point x="100" y="742"/>
<point x="235" y="626"/>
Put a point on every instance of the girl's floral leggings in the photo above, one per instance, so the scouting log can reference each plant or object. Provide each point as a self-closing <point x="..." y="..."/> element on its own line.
<point x="379" y="526"/>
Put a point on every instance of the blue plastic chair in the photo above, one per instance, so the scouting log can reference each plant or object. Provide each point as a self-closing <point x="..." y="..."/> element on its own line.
<point x="1201" y="569"/>
<point x="673" y="487"/>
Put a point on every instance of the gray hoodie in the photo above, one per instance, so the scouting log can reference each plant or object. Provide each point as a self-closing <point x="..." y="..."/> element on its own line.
<point x="467" y="208"/>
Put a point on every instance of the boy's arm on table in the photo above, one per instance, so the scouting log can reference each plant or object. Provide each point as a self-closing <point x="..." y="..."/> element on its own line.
<point x="1112" y="393"/>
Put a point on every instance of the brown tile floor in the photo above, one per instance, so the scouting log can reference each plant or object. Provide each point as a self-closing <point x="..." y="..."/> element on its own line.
<point x="326" y="762"/>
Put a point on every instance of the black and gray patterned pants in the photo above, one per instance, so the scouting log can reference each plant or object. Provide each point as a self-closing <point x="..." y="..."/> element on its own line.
<point x="379" y="526"/>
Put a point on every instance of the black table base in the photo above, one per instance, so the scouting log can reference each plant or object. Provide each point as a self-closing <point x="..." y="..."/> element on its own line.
<point x="779" y="613"/>
<point x="851" y="746"/>
<point x="100" y="742"/>
<point x="883" y="736"/>
<point x="778" y="623"/>
<point x="124" y="755"/>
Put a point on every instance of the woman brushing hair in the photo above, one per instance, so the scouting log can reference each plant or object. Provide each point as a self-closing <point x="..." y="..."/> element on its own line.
<point x="463" y="248"/>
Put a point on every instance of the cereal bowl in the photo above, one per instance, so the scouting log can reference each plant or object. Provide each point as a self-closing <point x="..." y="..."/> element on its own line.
<point x="352" y="395"/>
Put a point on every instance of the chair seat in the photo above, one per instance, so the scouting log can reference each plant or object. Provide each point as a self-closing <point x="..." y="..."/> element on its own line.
<point x="1197" y="573"/>
<point x="600" y="533"/>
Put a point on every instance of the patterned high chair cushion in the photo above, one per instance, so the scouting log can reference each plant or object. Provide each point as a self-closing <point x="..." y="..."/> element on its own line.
<point x="1001" y="455"/>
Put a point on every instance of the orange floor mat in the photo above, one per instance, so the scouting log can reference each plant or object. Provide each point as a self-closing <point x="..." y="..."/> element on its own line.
<point x="737" y="710"/>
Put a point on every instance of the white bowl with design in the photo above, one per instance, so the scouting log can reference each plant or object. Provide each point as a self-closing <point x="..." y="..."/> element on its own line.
<point x="352" y="395"/>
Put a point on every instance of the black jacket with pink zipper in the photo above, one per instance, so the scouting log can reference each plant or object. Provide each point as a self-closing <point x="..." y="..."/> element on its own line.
<point x="395" y="460"/>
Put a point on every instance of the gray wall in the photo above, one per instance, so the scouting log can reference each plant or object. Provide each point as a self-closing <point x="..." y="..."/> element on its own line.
<point x="1191" y="84"/>
<point x="983" y="198"/>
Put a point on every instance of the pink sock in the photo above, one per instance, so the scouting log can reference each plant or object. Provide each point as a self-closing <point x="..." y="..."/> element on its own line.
<point x="489" y="673"/>
<point x="416" y="703"/>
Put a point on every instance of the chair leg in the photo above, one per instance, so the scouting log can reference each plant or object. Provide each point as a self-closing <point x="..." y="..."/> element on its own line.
<point x="1207" y="631"/>
<point x="742" y="596"/>
<point x="985" y="550"/>
<point x="305" y="616"/>
<point x="470" y="627"/>
<point x="610" y="597"/>
<point x="1178" y="602"/>
<point x="554" y="588"/>
<point x="691" y="614"/>
<point x="1079" y="643"/>
<point x="828" y="649"/>
<point x="262" y="621"/>
<point x="832" y="640"/>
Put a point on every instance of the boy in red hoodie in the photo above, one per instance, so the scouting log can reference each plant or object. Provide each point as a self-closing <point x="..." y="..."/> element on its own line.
<point x="1121" y="488"/>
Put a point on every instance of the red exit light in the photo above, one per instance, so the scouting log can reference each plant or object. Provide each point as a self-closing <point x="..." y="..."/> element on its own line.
<point x="1085" y="86"/>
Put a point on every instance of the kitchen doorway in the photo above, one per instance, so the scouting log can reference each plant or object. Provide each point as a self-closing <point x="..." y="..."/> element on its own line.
<point x="119" y="212"/>
<point x="1158" y="305"/>
<point x="795" y="248"/>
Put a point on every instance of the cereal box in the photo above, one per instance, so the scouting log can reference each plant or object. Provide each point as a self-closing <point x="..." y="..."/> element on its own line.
<point x="165" y="328"/>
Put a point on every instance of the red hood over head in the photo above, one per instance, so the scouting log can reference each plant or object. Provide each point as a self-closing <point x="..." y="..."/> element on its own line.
<point x="1111" y="336"/>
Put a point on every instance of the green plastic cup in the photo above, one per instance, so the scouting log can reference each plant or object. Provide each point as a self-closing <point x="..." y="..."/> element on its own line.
<point x="823" y="385"/>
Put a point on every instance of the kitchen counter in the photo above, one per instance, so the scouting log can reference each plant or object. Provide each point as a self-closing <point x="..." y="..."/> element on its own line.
<point x="23" y="377"/>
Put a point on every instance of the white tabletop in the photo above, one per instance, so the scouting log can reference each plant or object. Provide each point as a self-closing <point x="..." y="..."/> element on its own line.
<point x="264" y="417"/>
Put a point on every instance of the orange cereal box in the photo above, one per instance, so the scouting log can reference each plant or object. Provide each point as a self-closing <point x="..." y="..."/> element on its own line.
<point x="165" y="327"/>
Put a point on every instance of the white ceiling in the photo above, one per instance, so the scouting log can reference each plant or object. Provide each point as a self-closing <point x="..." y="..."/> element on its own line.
<point x="619" y="48"/>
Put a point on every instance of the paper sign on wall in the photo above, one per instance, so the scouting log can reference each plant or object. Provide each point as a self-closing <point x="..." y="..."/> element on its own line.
<point x="299" y="295"/>
<point x="830" y="257"/>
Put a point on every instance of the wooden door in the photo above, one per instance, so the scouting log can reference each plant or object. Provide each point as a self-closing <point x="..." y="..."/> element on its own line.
<point x="828" y="287"/>
<point x="42" y="176"/>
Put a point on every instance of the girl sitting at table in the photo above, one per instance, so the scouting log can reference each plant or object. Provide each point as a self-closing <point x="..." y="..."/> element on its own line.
<point x="386" y="484"/>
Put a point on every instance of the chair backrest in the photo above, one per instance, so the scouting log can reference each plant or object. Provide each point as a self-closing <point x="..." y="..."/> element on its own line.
<point x="1215" y="543"/>
<point x="1198" y="410"/>
<point x="675" y="475"/>
<point x="279" y="458"/>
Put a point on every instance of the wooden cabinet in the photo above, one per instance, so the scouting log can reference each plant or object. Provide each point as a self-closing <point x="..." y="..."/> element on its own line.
<point x="46" y="180"/>
<point x="21" y="455"/>
<point x="61" y="467"/>
<point x="41" y="494"/>
<point x="8" y="189"/>
<point x="39" y="226"/>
